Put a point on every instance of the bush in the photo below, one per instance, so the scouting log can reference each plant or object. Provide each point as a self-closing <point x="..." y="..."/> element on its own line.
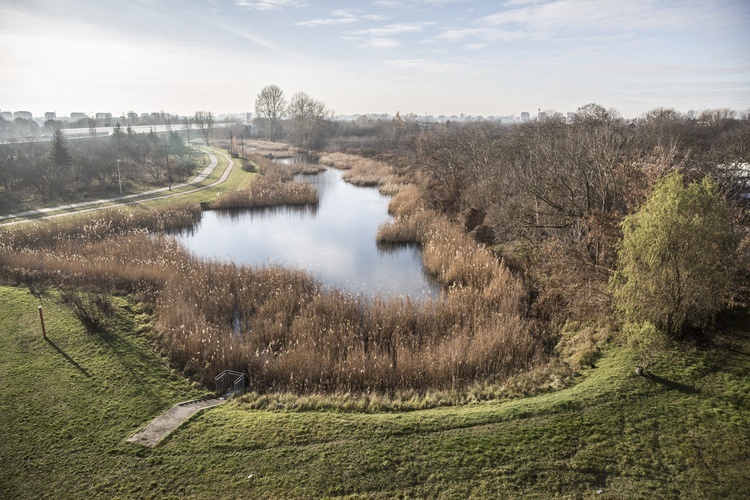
<point x="677" y="258"/>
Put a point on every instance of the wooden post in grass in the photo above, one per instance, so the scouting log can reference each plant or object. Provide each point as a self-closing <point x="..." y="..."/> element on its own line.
<point x="41" y="318"/>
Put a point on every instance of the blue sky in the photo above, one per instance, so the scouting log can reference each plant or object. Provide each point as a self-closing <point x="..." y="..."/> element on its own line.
<point x="413" y="56"/>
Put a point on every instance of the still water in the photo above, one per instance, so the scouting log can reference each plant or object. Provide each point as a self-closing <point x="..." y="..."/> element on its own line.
<point x="334" y="241"/>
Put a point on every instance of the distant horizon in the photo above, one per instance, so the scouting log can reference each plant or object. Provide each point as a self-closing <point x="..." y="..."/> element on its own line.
<point x="426" y="57"/>
<point x="532" y="113"/>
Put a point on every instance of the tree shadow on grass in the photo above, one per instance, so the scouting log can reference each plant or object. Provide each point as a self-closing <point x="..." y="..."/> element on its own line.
<point x="70" y="360"/>
<point x="672" y="385"/>
<point x="130" y="357"/>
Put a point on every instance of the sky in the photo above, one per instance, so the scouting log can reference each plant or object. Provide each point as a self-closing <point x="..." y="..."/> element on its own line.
<point x="435" y="57"/>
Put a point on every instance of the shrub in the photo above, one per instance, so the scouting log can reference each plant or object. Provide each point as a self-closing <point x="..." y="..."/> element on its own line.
<point x="676" y="261"/>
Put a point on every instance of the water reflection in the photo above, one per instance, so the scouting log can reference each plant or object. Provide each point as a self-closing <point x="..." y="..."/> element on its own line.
<point x="300" y="158"/>
<point x="334" y="241"/>
<point x="260" y="213"/>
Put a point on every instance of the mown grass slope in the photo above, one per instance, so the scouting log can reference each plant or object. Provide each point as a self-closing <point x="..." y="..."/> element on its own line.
<point x="69" y="404"/>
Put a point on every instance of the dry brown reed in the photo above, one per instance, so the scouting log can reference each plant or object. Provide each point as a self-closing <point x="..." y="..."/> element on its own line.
<point x="407" y="201"/>
<point x="362" y="171"/>
<point x="280" y="327"/>
<point x="262" y="147"/>
<point x="274" y="187"/>
<point x="267" y="192"/>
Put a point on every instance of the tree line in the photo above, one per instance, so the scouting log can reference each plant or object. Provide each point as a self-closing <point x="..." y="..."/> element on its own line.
<point x="62" y="167"/>
<point x="555" y="197"/>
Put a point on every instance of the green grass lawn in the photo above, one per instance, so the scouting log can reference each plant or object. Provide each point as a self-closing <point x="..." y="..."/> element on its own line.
<point x="68" y="405"/>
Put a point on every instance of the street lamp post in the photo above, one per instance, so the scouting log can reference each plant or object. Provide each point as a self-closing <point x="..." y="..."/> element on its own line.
<point x="119" y="179"/>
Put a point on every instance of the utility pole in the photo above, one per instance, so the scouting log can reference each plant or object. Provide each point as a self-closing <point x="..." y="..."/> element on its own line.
<point x="119" y="179"/>
<point x="169" y="171"/>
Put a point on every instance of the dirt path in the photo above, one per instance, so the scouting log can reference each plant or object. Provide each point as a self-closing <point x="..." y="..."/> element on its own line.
<point x="164" y="424"/>
<point x="127" y="199"/>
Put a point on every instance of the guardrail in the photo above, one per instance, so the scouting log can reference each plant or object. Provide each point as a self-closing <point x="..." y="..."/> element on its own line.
<point x="229" y="380"/>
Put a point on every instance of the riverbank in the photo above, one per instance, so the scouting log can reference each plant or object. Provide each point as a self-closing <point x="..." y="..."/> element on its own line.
<point x="71" y="402"/>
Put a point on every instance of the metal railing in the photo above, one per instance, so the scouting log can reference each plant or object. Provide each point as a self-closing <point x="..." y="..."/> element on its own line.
<point x="229" y="380"/>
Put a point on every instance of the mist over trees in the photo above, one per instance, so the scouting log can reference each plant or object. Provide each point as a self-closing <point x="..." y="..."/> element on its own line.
<point x="62" y="167"/>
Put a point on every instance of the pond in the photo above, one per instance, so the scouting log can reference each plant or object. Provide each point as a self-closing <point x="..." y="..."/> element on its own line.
<point x="334" y="241"/>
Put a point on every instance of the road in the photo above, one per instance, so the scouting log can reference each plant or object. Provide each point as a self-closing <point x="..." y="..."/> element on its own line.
<point x="130" y="199"/>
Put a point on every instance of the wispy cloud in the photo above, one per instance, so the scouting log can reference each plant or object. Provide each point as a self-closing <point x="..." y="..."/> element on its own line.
<point x="380" y="44"/>
<point x="546" y="20"/>
<point x="342" y="16"/>
<point x="426" y="65"/>
<point x="337" y="17"/>
<point x="269" y="4"/>
<point x="606" y="15"/>
<point x="487" y="34"/>
<point x="394" y="29"/>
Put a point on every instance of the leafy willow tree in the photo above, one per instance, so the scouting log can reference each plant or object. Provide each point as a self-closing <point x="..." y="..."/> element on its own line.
<point x="676" y="258"/>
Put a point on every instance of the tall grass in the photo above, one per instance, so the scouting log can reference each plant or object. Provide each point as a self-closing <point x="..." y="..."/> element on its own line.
<point x="275" y="186"/>
<point x="362" y="171"/>
<point x="267" y="192"/>
<point x="278" y="325"/>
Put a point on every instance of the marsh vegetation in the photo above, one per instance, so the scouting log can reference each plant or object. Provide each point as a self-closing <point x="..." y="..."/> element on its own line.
<point x="520" y="224"/>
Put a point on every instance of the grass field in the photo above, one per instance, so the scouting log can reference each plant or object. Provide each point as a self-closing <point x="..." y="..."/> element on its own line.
<point x="67" y="406"/>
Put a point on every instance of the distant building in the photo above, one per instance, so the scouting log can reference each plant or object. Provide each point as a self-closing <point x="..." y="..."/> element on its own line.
<point x="525" y="116"/>
<point x="7" y="115"/>
<point x="104" y="116"/>
<point x="50" y="115"/>
<point x="25" y="115"/>
<point x="74" y="117"/>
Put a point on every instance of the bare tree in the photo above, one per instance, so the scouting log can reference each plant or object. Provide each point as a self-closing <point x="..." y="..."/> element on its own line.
<point x="270" y="106"/>
<point x="308" y="118"/>
<point x="205" y="122"/>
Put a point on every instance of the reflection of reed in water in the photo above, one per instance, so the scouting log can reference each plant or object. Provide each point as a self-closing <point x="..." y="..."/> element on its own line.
<point x="260" y="213"/>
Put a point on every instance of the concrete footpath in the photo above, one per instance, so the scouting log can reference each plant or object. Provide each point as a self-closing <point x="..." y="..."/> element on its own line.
<point x="164" y="424"/>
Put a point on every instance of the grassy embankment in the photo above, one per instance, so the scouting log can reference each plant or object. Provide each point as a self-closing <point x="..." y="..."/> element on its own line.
<point x="69" y="404"/>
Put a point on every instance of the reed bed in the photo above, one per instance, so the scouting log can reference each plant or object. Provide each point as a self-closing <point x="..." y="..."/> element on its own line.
<point x="267" y="192"/>
<point x="101" y="224"/>
<point x="280" y="326"/>
<point x="362" y="171"/>
<point x="287" y="335"/>
<point x="274" y="187"/>
<point x="406" y="201"/>
<point x="265" y="148"/>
